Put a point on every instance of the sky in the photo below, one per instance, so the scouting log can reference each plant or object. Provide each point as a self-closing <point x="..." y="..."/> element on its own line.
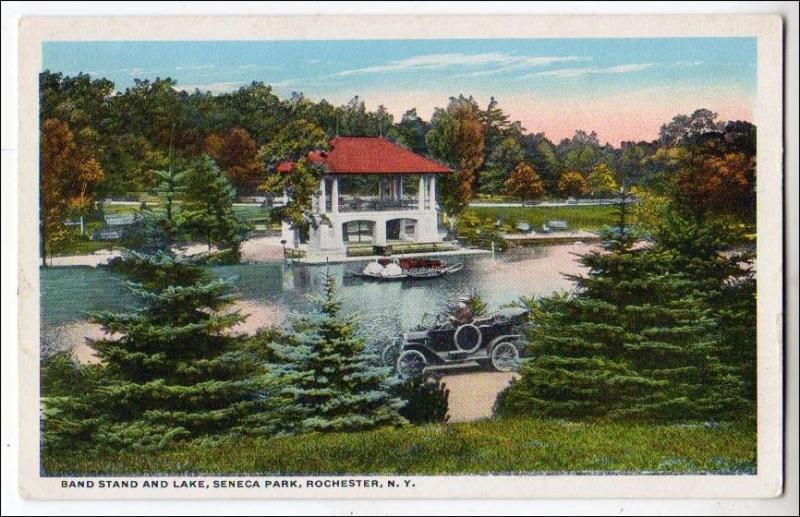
<point x="622" y="88"/>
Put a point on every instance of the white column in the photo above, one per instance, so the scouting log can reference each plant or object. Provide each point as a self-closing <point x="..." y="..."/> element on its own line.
<point x="400" y="182"/>
<point x="421" y="193"/>
<point x="432" y="192"/>
<point x="380" y="231"/>
<point x="335" y="195"/>
<point x="322" y="195"/>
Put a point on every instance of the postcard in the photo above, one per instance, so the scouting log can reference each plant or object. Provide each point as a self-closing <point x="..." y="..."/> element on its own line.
<point x="401" y="257"/>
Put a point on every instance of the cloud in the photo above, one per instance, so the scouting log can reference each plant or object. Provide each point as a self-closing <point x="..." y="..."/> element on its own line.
<point x="687" y="63"/>
<point x="435" y="61"/>
<point x="210" y="87"/>
<point x="528" y="62"/>
<point x="195" y="67"/>
<point x="579" y="72"/>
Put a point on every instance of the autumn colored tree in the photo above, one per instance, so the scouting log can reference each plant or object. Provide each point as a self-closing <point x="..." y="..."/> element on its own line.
<point x="68" y="179"/>
<point x="601" y="182"/>
<point x="456" y="137"/>
<point x="237" y="154"/>
<point x="524" y="183"/>
<point x="572" y="184"/>
<point x="719" y="185"/>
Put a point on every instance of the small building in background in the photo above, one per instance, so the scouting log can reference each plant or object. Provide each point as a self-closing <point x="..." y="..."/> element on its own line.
<point x="375" y="192"/>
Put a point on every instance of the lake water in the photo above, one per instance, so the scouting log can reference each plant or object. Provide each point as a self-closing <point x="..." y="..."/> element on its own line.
<point x="270" y="291"/>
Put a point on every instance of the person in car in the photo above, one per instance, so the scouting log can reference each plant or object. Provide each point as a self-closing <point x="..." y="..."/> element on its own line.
<point x="463" y="314"/>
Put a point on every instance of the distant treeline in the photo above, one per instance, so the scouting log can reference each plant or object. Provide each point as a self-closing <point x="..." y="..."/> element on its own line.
<point x="127" y="134"/>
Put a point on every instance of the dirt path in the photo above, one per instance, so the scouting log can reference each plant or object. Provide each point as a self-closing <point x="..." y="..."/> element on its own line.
<point x="472" y="394"/>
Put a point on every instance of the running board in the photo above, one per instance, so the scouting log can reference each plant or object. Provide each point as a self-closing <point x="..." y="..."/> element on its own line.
<point x="452" y="366"/>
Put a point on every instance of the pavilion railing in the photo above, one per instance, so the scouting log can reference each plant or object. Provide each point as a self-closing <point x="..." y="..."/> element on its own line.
<point x="373" y="204"/>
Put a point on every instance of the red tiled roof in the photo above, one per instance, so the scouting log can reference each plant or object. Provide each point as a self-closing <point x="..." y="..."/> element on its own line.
<point x="370" y="155"/>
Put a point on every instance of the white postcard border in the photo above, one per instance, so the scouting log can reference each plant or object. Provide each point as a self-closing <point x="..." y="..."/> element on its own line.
<point x="768" y="117"/>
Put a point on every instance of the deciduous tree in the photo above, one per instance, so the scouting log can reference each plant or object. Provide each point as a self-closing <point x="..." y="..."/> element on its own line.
<point x="68" y="179"/>
<point x="572" y="184"/>
<point x="237" y="154"/>
<point x="524" y="183"/>
<point x="457" y="137"/>
<point x="601" y="181"/>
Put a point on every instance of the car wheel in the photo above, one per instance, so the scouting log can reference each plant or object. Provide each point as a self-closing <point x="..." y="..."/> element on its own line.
<point x="505" y="357"/>
<point x="411" y="363"/>
<point x="389" y="355"/>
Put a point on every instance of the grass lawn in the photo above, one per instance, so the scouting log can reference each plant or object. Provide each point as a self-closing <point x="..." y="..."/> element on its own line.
<point x="578" y="217"/>
<point x="74" y="244"/>
<point x="245" y="213"/>
<point x="523" y="445"/>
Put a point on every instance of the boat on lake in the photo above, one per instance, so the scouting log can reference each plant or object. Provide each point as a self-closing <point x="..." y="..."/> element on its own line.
<point x="388" y="269"/>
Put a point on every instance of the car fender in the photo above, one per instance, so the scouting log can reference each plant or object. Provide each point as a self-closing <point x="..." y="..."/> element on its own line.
<point x="429" y="354"/>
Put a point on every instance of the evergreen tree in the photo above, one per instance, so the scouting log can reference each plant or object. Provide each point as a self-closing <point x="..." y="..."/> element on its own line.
<point x="170" y="369"/>
<point x="704" y="249"/>
<point x="207" y="211"/>
<point x="170" y="184"/>
<point x="332" y="381"/>
<point x="637" y="339"/>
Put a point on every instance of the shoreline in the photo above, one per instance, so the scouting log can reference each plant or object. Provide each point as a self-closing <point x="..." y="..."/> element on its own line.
<point x="254" y="251"/>
<point x="269" y="249"/>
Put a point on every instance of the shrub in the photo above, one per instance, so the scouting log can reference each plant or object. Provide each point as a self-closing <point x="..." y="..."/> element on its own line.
<point x="475" y="231"/>
<point x="426" y="400"/>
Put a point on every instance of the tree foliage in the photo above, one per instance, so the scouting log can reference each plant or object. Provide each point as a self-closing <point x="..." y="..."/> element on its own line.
<point x="301" y="184"/>
<point x="601" y="182"/>
<point x="572" y="184"/>
<point x="237" y="154"/>
<point x="69" y="179"/>
<point x="661" y="332"/>
<point x="207" y="209"/>
<point x="457" y="138"/>
<point x="151" y="124"/>
<point x="524" y="183"/>
<point x="170" y="370"/>
<point x="333" y="382"/>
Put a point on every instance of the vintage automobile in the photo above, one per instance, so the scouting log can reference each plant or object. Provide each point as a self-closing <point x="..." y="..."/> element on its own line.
<point x="494" y="340"/>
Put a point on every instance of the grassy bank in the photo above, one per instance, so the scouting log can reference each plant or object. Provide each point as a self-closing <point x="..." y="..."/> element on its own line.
<point x="490" y="446"/>
<point x="248" y="213"/>
<point x="578" y="217"/>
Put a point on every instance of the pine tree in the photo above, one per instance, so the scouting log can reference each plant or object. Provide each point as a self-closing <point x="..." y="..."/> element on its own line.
<point x="207" y="212"/>
<point x="702" y="248"/>
<point x="332" y="381"/>
<point x="638" y="339"/>
<point x="170" y="370"/>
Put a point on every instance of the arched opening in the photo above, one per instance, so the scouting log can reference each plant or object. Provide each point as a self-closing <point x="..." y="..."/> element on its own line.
<point x="354" y="232"/>
<point x="404" y="230"/>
